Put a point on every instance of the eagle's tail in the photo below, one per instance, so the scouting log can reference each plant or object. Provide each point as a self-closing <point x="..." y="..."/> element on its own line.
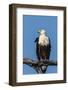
<point x="43" y="68"/>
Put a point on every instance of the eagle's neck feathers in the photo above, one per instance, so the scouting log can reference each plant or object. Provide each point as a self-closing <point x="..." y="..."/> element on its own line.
<point x="43" y="40"/>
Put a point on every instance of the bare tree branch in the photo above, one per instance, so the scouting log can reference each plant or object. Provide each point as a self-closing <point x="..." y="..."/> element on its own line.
<point x="37" y="64"/>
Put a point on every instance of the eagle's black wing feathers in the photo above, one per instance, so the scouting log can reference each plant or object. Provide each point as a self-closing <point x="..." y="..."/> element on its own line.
<point x="37" y="48"/>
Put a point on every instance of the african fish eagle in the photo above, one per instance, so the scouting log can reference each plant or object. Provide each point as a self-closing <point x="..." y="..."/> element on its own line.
<point x="43" y="48"/>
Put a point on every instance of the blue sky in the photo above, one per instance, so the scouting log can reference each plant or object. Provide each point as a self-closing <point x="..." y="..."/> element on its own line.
<point x="31" y="25"/>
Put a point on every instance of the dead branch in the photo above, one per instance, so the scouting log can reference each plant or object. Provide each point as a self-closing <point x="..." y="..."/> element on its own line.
<point x="37" y="64"/>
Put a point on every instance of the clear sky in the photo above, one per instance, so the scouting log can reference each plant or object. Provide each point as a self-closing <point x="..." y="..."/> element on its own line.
<point x="31" y="25"/>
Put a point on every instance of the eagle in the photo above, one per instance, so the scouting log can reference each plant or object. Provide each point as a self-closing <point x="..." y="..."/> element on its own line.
<point x="43" y="48"/>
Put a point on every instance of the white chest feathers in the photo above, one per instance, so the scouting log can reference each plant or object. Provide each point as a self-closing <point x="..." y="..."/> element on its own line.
<point x="43" y="40"/>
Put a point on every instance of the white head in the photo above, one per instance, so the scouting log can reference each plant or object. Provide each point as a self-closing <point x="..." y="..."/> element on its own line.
<point x="43" y="39"/>
<point x="42" y="31"/>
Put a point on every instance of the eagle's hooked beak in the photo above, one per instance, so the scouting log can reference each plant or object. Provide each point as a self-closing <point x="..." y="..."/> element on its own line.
<point x="39" y="31"/>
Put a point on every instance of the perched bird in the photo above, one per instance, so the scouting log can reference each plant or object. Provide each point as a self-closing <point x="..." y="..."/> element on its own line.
<point x="43" y="48"/>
